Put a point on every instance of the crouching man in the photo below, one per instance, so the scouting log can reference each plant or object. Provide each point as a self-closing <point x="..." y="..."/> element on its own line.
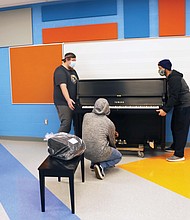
<point x="98" y="133"/>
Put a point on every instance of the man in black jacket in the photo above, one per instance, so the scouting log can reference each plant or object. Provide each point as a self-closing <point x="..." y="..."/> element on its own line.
<point x="179" y="101"/>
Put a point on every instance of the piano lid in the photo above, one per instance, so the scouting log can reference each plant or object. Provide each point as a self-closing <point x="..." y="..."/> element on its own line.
<point x="122" y="88"/>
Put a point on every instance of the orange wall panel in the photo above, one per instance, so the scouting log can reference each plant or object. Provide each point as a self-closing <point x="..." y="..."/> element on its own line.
<point x="32" y="69"/>
<point x="80" y="33"/>
<point x="171" y="17"/>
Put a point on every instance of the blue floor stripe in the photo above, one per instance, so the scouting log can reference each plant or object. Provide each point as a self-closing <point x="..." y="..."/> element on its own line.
<point x="20" y="196"/>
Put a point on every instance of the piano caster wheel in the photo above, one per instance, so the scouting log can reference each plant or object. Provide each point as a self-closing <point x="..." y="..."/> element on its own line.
<point x="140" y="154"/>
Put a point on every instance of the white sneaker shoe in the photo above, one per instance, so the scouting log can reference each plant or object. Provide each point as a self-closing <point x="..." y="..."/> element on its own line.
<point x="99" y="171"/>
<point x="175" y="159"/>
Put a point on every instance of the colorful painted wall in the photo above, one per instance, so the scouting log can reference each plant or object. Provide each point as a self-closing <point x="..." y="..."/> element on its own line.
<point x="79" y="21"/>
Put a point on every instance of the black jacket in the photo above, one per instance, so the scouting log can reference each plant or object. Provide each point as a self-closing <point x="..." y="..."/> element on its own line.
<point x="178" y="92"/>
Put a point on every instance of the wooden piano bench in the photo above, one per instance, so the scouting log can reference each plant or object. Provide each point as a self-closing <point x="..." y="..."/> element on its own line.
<point x="52" y="167"/>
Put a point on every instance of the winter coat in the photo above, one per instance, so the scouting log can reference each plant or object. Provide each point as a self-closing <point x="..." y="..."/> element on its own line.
<point x="178" y="92"/>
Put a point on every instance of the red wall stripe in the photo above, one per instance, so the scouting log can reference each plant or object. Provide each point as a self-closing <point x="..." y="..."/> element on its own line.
<point x="80" y="33"/>
<point x="171" y="17"/>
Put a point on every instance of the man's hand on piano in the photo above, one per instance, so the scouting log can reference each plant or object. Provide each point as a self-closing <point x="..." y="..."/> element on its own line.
<point x="71" y="104"/>
<point x="116" y="134"/>
<point x="161" y="112"/>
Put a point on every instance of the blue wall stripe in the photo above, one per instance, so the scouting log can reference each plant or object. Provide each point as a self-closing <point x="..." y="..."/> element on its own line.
<point x="136" y="18"/>
<point x="31" y="122"/>
<point x="79" y="10"/>
<point x="187" y="17"/>
<point x="120" y="20"/>
<point x="80" y="21"/>
<point x="28" y="120"/>
<point x="20" y="194"/>
<point x="4" y="77"/>
<point x="37" y="24"/>
<point x="153" y="17"/>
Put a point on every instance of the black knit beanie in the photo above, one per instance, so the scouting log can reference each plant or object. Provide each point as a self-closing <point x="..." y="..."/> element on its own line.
<point x="166" y="64"/>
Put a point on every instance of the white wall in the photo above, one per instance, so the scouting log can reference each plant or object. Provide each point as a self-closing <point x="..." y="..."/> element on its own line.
<point x="131" y="58"/>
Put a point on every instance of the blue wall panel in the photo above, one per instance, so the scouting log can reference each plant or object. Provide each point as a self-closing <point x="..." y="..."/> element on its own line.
<point x="187" y="17"/>
<point x="22" y="120"/>
<point x="5" y="97"/>
<point x="79" y="10"/>
<point x="136" y="18"/>
<point x="153" y="17"/>
<point x="37" y="24"/>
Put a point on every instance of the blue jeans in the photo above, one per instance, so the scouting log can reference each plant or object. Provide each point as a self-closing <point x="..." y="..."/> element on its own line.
<point x="114" y="159"/>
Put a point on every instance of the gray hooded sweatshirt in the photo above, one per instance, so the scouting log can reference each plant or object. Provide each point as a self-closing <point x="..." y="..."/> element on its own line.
<point x="98" y="132"/>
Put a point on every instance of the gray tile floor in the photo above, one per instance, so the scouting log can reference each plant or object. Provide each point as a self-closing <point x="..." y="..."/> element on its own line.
<point x="120" y="196"/>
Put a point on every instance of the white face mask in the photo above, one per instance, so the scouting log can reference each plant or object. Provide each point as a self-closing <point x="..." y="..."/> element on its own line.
<point x="72" y="64"/>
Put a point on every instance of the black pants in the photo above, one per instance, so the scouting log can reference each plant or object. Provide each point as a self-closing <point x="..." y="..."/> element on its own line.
<point x="180" y="127"/>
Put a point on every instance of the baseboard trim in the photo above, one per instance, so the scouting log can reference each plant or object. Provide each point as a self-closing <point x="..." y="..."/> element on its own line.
<point x="18" y="138"/>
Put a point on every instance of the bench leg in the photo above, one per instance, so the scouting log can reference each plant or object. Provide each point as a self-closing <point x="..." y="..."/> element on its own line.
<point x="42" y="191"/>
<point x="82" y="168"/>
<point x="71" y="186"/>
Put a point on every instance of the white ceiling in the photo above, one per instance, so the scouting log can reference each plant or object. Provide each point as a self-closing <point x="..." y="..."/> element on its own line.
<point x="9" y="3"/>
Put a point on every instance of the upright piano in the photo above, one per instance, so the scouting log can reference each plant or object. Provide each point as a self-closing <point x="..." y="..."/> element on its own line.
<point x="133" y="104"/>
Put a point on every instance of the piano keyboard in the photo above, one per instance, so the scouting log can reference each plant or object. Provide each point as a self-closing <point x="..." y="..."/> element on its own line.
<point x="127" y="107"/>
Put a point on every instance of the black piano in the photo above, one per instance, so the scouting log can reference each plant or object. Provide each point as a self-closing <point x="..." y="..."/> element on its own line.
<point x="133" y="104"/>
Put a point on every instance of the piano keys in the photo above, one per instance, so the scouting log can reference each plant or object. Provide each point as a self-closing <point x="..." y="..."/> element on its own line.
<point x="127" y="107"/>
<point x="133" y="104"/>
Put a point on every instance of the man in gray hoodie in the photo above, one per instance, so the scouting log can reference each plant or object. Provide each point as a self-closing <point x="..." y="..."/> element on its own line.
<point x="98" y="134"/>
<point x="179" y="101"/>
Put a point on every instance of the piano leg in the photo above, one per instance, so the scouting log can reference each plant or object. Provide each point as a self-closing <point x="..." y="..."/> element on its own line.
<point x="141" y="150"/>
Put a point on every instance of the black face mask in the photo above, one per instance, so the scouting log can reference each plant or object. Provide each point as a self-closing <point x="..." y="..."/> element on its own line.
<point x="162" y="72"/>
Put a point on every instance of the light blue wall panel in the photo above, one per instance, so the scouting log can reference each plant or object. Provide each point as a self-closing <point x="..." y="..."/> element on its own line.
<point x="187" y="17"/>
<point x="168" y="129"/>
<point x="79" y="10"/>
<point x="27" y="120"/>
<point x="136" y="18"/>
<point x="22" y="120"/>
<point x="120" y="19"/>
<point x="153" y="17"/>
<point x="5" y="97"/>
<point x="37" y="24"/>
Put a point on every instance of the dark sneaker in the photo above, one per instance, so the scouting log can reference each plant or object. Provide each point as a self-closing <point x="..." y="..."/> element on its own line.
<point x="99" y="171"/>
<point x="169" y="149"/>
<point x="175" y="159"/>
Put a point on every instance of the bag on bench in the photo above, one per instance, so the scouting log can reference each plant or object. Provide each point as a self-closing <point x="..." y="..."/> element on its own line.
<point x="65" y="146"/>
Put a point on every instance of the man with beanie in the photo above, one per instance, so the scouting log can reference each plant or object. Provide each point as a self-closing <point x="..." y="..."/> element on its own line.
<point x="179" y="101"/>
<point x="98" y="134"/>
